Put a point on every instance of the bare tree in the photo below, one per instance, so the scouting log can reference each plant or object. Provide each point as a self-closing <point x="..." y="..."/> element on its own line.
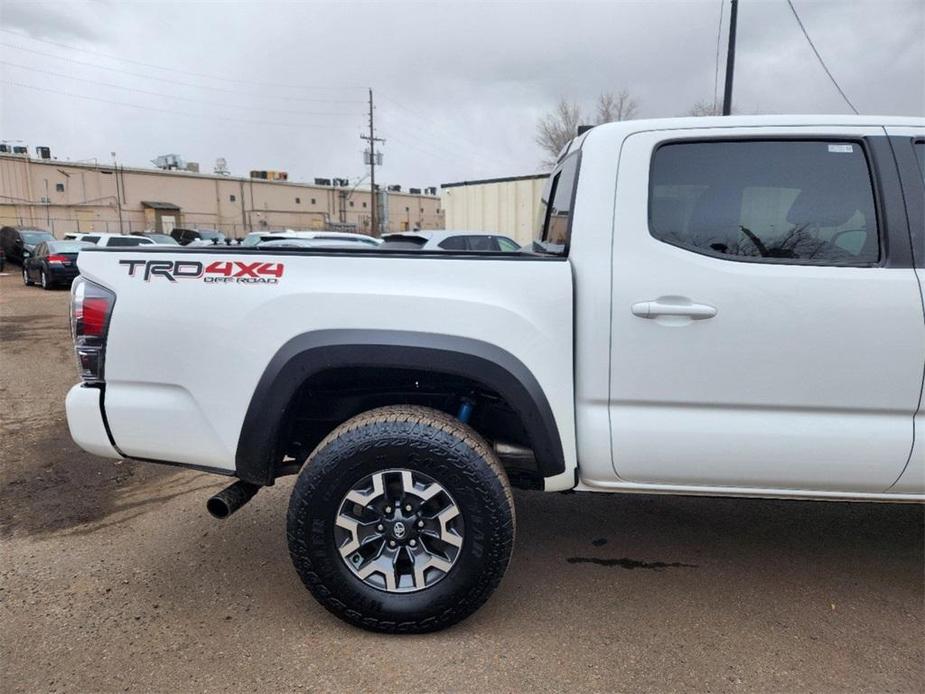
<point x="555" y="129"/>
<point x="617" y="106"/>
<point x="706" y="108"/>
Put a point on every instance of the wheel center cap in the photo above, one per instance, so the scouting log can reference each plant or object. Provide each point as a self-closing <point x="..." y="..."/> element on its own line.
<point x="399" y="530"/>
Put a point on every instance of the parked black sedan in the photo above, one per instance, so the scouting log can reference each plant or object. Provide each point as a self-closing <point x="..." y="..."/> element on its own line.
<point x="52" y="263"/>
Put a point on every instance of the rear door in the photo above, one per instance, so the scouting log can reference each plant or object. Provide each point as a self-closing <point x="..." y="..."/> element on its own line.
<point x="38" y="259"/>
<point x="909" y="147"/>
<point x="767" y="326"/>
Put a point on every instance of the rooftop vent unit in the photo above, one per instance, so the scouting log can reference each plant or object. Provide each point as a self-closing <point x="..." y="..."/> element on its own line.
<point x="43" y="152"/>
<point x="322" y="181"/>
<point x="414" y="191"/>
<point x="169" y="162"/>
<point x="5" y="149"/>
<point x="19" y="149"/>
<point x="394" y="189"/>
<point x="341" y="182"/>
<point x="192" y="166"/>
<point x="432" y="190"/>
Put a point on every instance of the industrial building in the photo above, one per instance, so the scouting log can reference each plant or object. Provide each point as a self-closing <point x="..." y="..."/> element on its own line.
<point x="66" y="197"/>
<point x="504" y="205"/>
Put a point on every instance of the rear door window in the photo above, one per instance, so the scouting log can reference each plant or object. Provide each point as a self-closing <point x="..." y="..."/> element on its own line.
<point x="798" y="202"/>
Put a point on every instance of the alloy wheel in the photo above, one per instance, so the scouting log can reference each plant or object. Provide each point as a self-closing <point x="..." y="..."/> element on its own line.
<point x="399" y="530"/>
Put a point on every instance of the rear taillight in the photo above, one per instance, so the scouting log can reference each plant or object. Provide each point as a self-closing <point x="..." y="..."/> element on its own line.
<point x="61" y="259"/>
<point x="91" y="308"/>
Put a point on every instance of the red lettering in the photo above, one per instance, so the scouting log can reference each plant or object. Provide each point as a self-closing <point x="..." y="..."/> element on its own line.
<point x="246" y="269"/>
<point x="219" y="268"/>
<point x="272" y="269"/>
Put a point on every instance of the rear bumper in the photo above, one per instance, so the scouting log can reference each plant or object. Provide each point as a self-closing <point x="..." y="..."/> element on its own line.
<point x="85" y="420"/>
<point x="63" y="274"/>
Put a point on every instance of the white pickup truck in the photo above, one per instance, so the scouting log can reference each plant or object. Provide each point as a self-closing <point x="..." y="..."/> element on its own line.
<point x="716" y="306"/>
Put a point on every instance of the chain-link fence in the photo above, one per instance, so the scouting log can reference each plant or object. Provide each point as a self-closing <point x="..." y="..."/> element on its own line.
<point x="60" y="226"/>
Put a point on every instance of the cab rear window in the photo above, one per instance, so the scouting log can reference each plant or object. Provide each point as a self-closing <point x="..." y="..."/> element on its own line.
<point x="554" y="217"/>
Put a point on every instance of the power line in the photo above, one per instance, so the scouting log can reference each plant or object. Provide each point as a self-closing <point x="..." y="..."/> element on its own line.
<point x="174" y="96"/>
<point x="236" y="92"/>
<point x="819" y="57"/>
<point x="182" y="72"/>
<point x="436" y="142"/>
<point x="421" y="118"/>
<point x="172" y="111"/>
<point x="719" y="33"/>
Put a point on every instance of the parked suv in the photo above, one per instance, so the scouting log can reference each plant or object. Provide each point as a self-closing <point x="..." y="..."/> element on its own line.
<point x="19" y="242"/>
<point x="197" y="236"/>
<point x="110" y="240"/>
<point x="159" y="239"/>
<point x="447" y="240"/>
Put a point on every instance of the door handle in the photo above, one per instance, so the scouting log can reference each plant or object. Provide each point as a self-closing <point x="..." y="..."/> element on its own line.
<point x="673" y="306"/>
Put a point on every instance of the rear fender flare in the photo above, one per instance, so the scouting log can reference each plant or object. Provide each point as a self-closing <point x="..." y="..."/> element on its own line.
<point x="311" y="353"/>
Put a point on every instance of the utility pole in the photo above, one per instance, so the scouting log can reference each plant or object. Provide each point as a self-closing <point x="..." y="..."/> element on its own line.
<point x="372" y="140"/>
<point x="730" y="58"/>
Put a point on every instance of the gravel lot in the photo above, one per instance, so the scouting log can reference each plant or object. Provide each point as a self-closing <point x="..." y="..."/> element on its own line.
<point x="114" y="578"/>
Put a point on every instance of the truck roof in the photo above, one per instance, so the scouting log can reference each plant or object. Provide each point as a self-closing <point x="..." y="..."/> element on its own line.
<point x="720" y="122"/>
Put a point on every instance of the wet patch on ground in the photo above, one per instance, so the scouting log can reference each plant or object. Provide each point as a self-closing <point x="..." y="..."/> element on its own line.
<point x="65" y="487"/>
<point x="631" y="564"/>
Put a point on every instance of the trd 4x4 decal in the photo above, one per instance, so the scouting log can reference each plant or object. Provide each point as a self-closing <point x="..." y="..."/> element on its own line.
<point x="216" y="272"/>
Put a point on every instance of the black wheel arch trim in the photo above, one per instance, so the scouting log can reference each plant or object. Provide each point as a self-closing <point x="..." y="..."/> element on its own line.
<point x="311" y="353"/>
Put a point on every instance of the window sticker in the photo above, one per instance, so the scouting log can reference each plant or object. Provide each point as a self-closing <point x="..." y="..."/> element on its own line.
<point x="843" y="149"/>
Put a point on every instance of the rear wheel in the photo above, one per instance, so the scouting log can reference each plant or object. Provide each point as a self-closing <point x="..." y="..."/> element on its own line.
<point x="46" y="283"/>
<point x="402" y="520"/>
<point x="25" y="278"/>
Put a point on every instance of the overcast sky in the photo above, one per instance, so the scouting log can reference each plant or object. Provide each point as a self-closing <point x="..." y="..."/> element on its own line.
<point x="459" y="86"/>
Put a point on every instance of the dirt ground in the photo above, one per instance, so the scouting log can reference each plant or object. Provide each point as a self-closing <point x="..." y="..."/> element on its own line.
<point x="114" y="578"/>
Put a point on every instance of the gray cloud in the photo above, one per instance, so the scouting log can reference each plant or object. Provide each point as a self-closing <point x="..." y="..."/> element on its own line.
<point x="47" y="20"/>
<point x="459" y="85"/>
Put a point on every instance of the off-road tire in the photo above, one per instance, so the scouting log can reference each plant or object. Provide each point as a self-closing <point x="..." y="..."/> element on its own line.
<point x="419" y="439"/>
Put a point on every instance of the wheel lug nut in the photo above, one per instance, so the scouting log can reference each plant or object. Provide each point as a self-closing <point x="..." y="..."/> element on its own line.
<point x="388" y="509"/>
<point x="380" y="527"/>
<point x="413" y="542"/>
<point x="408" y="507"/>
<point x="391" y="543"/>
<point x="420" y="524"/>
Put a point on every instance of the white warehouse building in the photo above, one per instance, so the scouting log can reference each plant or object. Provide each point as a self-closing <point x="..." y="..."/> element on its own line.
<point x="504" y="205"/>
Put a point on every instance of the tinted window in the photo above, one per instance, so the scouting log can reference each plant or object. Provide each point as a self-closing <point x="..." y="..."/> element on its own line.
<point x="791" y="202"/>
<point x="127" y="241"/>
<point x="33" y="237"/>
<point x="483" y="243"/>
<point x="454" y="243"/>
<point x="555" y="211"/>
<point x="91" y="239"/>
